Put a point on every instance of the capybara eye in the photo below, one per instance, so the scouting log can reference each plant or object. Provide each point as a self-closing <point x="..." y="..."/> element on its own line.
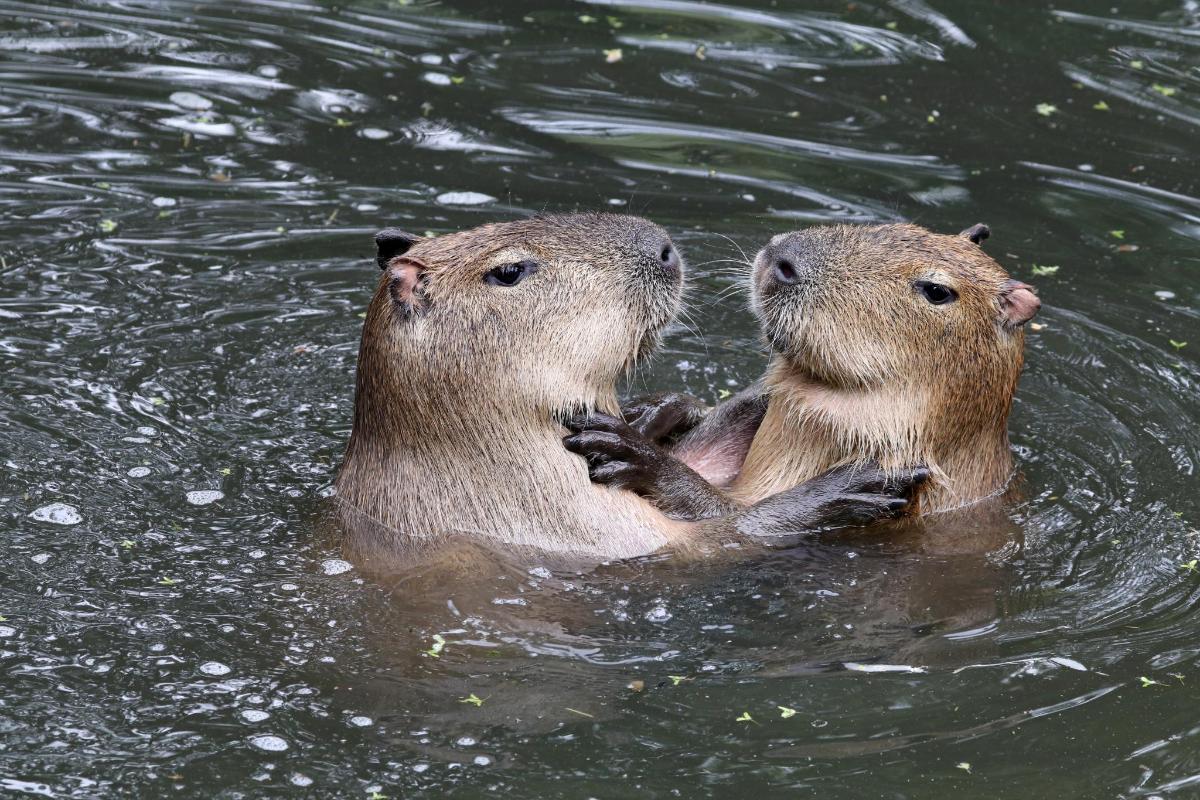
<point x="509" y="274"/>
<point x="936" y="293"/>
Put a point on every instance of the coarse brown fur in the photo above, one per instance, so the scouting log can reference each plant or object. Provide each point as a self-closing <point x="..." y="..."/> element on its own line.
<point x="461" y="384"/>
<point x="866" y="368"/>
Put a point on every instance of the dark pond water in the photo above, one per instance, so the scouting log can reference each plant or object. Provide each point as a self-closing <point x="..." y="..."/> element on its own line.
<point x="187" y="196"/>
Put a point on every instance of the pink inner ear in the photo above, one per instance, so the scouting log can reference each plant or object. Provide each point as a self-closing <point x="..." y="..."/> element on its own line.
<point x="405" y="276"/>
<point x="1018" y="303"/>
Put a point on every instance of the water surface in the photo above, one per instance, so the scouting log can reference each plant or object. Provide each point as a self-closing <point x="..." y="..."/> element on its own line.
<point x="187" y="197"/>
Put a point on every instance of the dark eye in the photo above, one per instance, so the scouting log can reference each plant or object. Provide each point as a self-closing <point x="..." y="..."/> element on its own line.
<point x="936" y="293"/>
<point x="510" y="274"/>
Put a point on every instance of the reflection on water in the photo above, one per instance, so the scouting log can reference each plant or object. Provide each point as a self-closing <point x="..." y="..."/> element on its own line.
<point x="187" y="197"/>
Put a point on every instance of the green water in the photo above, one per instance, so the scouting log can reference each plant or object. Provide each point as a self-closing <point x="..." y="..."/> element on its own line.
<point x="187" y="196"/>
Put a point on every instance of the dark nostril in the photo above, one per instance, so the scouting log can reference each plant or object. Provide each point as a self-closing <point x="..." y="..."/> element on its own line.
<point x="669" y="257"/>
<point x="785" y="271"/>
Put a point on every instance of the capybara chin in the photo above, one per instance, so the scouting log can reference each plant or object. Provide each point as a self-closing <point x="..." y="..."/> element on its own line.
<point x="890" y="343"/>
<point x="474" y="344"/>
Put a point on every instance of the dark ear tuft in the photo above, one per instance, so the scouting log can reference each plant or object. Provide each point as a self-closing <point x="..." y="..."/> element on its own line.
<point x="392" y="242"/>
<point x="977" y="233"/>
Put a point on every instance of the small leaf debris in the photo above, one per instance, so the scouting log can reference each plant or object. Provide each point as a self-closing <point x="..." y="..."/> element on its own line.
<point x="439" y="642"/>
<point x="613" y="56"/>
<point x="108" y="225"/>
<point x="1148" y="682"/>
<point x="1046" y="109"/>
<point x="473" y="699"/>
<point x="785" y="712"/>
<point x="1042" y="270"/>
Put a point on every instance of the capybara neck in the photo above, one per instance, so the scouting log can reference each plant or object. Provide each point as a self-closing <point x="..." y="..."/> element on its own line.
<point x="810" y="428"/>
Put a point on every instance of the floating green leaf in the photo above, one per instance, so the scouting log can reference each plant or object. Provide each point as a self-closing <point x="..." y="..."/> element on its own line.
<point x="1046" y="109"/>
<point x="786" y="713"/>
<point x="128" y="544"/>
<point x="1177" y="345"/>
<point x="472" y="699"/>
<point x="457" y="80"/>
<point x="723" y="393"/>
<point x="965" y="766"/>
<point x="586" y="19"/>
<point x="108" y="225"/>
<point x="439" y="643"/>
<point x="1147" y="682"/>
<point x="1190" y="566"/>
<point x="1042" y="270"/>
<point x="1165" y="91"/>
<point x="614" y="22"/>
<point x="167" y="581"/>
<point x="342" y="123"/>
<point x="1117" y="234"/>
<point x="613" y="56"/>
<point x="1101" y="106"/>
<point x="678" y="679"/>
<point x="1137" y="64"/>
<point x="103" y="185"/>
<point x="745" y="717"/>
<point x="891" y="26"/>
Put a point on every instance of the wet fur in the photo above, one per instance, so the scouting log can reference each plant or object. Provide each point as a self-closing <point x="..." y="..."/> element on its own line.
<point x="864" y="370"/>
<point x="459" y="386"/>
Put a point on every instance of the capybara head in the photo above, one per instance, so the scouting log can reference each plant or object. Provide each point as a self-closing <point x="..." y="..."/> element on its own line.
<point x="899" y="344"/>
<point x="540" y="313"/>
<point x="861" y="307"/>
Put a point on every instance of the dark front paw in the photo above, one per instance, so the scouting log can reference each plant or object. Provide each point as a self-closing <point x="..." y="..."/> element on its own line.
<point x="616" y="454"/>
<point x="852" y="495"/>
<point x="663" y="417"/>
<point x="860" y="494"/>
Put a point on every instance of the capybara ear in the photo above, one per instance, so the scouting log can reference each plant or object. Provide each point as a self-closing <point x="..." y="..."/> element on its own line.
<point x="392" y="242"/>
<point x="977" y="233"/>
<point x="405" y="279"/>
<point x="1018" y="303"/>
